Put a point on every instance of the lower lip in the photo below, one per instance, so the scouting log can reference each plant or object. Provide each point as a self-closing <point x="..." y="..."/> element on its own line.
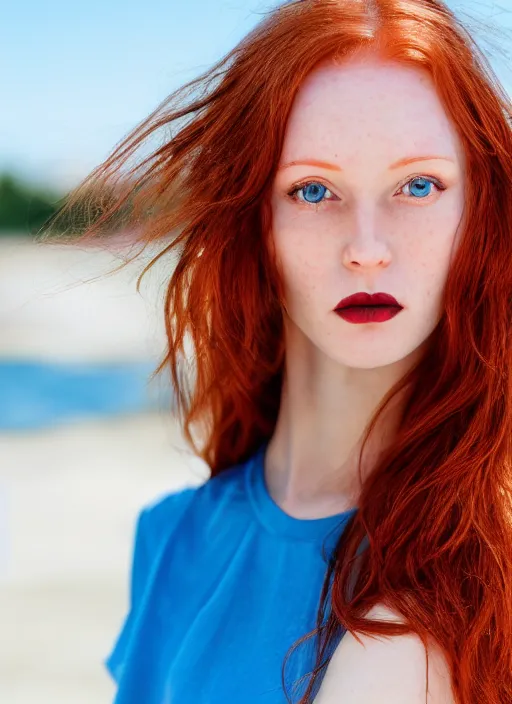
<point x="368" y="314"/>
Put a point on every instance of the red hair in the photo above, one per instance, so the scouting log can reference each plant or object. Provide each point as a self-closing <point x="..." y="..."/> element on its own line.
<point x="435" y="513"/>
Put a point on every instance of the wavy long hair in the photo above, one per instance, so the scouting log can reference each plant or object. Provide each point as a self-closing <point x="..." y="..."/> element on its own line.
<point x="435" y="513"/>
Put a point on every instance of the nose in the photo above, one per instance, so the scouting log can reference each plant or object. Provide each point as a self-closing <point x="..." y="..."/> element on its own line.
<point x="364" y="247"/>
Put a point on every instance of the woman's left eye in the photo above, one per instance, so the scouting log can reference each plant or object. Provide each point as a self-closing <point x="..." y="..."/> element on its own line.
<point x="418" y="187"/>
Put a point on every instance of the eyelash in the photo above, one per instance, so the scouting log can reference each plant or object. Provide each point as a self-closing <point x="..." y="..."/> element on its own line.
<point x="299" y="186"/>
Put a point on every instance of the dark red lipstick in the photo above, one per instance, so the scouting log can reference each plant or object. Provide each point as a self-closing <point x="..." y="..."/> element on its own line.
<point x="368" y="308"/>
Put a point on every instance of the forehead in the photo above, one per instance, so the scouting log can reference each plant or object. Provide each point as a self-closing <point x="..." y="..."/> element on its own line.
<point x="368" y="106"/>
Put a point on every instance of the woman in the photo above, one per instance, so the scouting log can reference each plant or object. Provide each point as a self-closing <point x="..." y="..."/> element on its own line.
<point x="344" y="147"/>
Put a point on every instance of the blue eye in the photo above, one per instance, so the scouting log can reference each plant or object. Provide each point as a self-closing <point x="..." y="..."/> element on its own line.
<point x="312" y="189"/>
<point x="419" y="186"/>
<point x="313" y="192"/>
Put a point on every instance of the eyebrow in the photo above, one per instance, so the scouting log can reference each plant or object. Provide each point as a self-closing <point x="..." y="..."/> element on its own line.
<point x="334" y="167"/>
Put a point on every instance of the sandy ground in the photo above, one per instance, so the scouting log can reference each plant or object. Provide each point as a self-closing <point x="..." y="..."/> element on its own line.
<point x="69" y="496"/>
<point x="61" y="302"/>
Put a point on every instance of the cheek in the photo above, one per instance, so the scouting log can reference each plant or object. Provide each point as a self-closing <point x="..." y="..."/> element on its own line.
<point x="303" y="261"/>
<point x="429" y="253"/>
<point x="305" y="246"/>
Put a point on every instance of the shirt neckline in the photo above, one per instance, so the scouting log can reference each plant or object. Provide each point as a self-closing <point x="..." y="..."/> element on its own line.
<point x="278" y="521"/>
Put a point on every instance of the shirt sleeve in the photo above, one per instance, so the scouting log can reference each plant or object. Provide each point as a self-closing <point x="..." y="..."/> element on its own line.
<point x="155" y="526"/>
<point x="139" y="573"/>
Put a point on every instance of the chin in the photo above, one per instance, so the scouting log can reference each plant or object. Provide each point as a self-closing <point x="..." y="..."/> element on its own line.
<point x="371" y="354"/>
<point x="374" y="361"/>
<point x="374" y="355"/>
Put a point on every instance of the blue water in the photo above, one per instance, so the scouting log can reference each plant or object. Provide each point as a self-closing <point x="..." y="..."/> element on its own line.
<point x="36" y="394"/>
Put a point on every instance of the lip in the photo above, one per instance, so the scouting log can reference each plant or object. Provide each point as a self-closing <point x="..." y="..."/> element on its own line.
<point x="368" y="299"/>
<point x="361" y="315"/>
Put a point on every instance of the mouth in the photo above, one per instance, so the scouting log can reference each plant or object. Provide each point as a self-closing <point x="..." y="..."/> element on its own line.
<point x="368" y="300"/>
<point x="366" y="307"/>
<point x="368" y="314"/>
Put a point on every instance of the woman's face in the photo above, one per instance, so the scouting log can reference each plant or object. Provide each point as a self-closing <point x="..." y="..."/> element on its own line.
<point x="375" y="215"/>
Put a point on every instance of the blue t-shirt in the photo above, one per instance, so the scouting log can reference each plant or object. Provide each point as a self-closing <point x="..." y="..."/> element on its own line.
<point x="223" y="582"/>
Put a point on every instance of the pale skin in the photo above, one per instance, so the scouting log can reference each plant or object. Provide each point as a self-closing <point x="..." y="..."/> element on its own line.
<point x="365" y="223"/>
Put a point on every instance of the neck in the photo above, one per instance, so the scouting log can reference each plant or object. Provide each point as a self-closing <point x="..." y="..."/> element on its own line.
<point x="311" y="463"/>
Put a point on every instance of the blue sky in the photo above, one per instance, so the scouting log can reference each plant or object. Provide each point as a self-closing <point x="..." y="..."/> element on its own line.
<point x="78" y="76"/>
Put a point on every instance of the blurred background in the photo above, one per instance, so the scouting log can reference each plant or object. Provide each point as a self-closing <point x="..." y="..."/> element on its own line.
<point x="85" y="438"/>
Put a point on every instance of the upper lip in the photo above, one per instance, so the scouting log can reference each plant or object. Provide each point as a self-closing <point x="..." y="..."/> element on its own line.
<point x="368" y="299"/>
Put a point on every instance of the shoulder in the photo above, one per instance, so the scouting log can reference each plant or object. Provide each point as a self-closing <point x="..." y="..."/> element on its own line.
<point x="385" y="669"/>
<point x="188" y="508"/>
<point x="176" y="523"/>
<point x="161" y="516"/>
<point x="181" y="521"/>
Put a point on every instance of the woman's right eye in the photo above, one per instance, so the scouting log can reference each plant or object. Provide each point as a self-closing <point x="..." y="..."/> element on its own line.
<point x="309" y="189"/>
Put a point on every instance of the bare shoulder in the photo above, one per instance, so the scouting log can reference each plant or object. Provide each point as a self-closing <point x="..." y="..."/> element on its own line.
<point x="385" y="670"/>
